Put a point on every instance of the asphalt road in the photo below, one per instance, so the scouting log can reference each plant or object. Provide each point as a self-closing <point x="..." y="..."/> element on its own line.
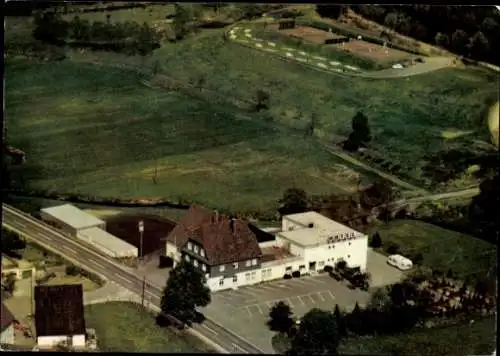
<point x="54" y="240"/>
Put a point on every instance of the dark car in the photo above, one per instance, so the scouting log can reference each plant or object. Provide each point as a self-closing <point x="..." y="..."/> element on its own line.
<point x="419" y="60"/>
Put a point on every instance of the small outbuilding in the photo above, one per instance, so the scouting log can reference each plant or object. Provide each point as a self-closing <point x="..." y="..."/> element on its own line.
<point x="70" y="219"/>
<point x="107" y="243"/>
<point x="59" y="316"/>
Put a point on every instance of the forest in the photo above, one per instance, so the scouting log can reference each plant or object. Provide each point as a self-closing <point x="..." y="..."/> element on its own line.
<point x="469" y="31"/>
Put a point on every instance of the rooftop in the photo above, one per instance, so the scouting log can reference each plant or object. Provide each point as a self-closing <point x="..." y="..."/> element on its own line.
<point x="274" y="253"/>
<point x="316" y="229"/>
<point x="59" y="310"/>
<point x="73" y="216"/>
<point x="108" y="241"/>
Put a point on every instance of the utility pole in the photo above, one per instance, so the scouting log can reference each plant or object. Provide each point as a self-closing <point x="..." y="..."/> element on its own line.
<point x="141" y="233"/>
<point x="143" y="290"/>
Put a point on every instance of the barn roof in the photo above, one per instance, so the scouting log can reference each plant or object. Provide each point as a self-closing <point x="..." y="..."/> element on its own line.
<point x="59" y="310"/>
<point x="73" y="216"/>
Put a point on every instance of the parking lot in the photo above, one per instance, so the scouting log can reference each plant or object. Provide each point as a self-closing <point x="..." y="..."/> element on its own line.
<point x="245" y="311"/>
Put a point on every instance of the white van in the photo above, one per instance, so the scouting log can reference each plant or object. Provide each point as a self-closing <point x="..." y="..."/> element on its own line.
<point x="400" y="262"/>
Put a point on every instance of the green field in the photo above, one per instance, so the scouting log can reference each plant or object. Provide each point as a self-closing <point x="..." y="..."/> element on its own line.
<point x="98" y="131"/>
<point x="476" y="339"/>
<point x="442" y="249"/>
<point x="124" y="327"/>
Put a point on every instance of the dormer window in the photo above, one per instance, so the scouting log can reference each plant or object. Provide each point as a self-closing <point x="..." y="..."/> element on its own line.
<point x="202" y="252"/>
<point x="196" y="249"/>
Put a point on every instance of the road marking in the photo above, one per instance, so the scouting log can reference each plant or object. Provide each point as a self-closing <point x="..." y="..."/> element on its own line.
<point x="69" y="249"/>
<point x="283" y="286"/>
<point x="97" y="263"/>
<point x="260" y="310"/>
<point x="274" y="289"/>
<point x="321" y="297"/>
<point x="300" y="299"/>
<point x="310" y="297"/>
<point x="153" y="295"/>
<point x="290" y="302"/>
<point x="210" y="329"/>
<point x="122" y="278"/>
<point x="331" y="295"/>
<point x="248" y="311"/>
<point x="239" y="347"/>
<point x="45" y="236"/>
<point x="252" y="294"/>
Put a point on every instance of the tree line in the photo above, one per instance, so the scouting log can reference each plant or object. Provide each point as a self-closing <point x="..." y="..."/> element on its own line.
<point x="471" y="31"/>
<point x="129" y="37"/>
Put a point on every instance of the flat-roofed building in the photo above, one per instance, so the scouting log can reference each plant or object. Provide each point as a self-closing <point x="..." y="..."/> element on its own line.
<point x="107" y="243"/>
<point x="70" y="219"/>
<point x="321" y="241"/>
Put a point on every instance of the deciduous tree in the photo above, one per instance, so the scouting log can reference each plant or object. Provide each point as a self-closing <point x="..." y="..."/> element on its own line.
<point x="376" y="240"/>
<point x="184" y="292"/>
<point x="280" y="317"/>
<point x="294" y="201"/>
<point x="318" y="334"/>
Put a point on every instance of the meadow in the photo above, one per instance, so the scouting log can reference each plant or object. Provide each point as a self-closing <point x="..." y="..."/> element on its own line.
<point x="97" y="131"/>
<point x="442" y="249"/>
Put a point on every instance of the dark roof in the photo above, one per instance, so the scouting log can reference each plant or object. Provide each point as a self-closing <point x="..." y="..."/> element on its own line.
<point x="224" y="239"/>
<point x="7" y="317"/>
<point x="59" y="310"/>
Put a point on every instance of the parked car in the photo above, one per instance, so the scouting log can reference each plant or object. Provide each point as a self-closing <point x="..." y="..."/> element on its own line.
<point x="397" y="66"/>
<point x="400" y="262"/>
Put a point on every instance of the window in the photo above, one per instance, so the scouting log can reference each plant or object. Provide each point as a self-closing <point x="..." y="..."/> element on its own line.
<point x="196" y="248"/>
<point x="195" y="263"/>
<point x="235" y="265"/>
<point x="254" y="262"/>
<point x="352" y="234"/>
<point x="349" y="244"/>
<point x="202" y="252"/>
<point x="235" y="278"/>
<point x="248" y="263"/>
<point x="186" y="257"/>
<point x="190" y="246"/>
<point x="348" y="256"/>
<point x="247" y="275"/>
<point x="321" y="263"/>
<point x="221" y="282"/>
<point x="288" y="269"/>
<point x="329" y="246"/>
<point x="203" y="267"/>
<point x="222" y="268"/>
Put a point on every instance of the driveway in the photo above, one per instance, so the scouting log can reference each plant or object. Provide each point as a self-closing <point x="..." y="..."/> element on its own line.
<point x="382" y="273"/>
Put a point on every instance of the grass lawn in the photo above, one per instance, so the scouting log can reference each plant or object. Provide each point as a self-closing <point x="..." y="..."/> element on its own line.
<point x="125" y="327"/>
<point x="475" y="339"/>
<point x="442" y="249"/>
<point x="408" y="116"/>
<point x="98" y="131"/>
<point x="87" y="284"/>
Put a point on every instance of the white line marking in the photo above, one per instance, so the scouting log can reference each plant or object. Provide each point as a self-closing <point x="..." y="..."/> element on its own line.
<point x="248" y="311"/>
<point x="209" y="329"/>
<point x="96" y="263"/>
<point x="290" y="302"/>
<point x="45" y="237"/>
<point x="260" y="310"/>
<point x="68" y="248"/>
<point x="283" y="286"/>
<point x="239" y="347"/>
<point x="153" y="295"/>
<point x="122" y="278"/>
<point x="331" y="295"/>
<point x="310" y="297"/>
<point x="321" y="297"/>
<point x="300" y="299"/>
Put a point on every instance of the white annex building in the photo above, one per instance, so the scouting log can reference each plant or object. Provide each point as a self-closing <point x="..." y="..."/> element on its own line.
<point x="87" y="228"/>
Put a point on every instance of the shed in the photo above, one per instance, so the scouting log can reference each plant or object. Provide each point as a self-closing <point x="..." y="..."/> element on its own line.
<point x="70" y="219"/>
<point x="59" y="315"/>
<point x="107" y="243"/>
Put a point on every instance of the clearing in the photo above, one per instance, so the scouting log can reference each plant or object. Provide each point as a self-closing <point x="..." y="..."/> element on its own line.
<point x="126" y="327"/>
<point x="442" y="249"/>
<point x="475" y="339"/>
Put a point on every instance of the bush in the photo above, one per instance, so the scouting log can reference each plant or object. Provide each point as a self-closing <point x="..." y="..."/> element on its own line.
<point x="295" y="274"/>
<point x="72" y="270"/>
<point x="376" y="240"/>
<point x="392" y="248"/>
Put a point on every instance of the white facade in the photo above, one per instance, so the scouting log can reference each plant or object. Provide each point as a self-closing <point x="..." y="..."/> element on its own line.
<point x="107" y="243"/>
<point x="242" y="279"/>
<point x="7" y="336"/>
<point x="51" y="341"/>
